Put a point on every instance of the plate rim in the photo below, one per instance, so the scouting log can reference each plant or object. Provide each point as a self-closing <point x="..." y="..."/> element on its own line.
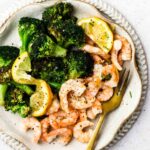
<point x="141" y="65"/>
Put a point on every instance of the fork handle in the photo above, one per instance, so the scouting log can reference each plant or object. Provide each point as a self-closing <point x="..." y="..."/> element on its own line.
<point x="92" y="141"/>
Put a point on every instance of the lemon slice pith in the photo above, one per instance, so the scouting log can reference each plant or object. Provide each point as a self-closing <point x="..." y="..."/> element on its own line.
<point x="99" y="31"/>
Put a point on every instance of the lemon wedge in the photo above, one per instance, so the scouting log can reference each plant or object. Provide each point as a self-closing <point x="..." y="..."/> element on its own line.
<point x="41" y="99"/>
<point x="99" y="31"/>
<point x="21" y="66"/>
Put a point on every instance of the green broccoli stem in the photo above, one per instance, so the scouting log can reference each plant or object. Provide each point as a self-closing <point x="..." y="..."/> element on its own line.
<point x="55" y="85"/>
<point x="3" y="89"/>
<point x="24" y="88"/>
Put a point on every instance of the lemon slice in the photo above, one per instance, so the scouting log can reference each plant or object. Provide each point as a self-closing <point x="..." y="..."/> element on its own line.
<point x="99" y="31"/>
<point x="21" y="66"/>
<point x="41" y="99"/>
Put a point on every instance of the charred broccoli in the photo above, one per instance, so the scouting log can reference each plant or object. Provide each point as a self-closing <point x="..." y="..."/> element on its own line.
<point x="62" y="25"/>
<point x="43" y="46"/>
<point x="67" y="33"/>
<point x="17" y="100"/>
<point x="57" y="70"/>
<point x="7" y="55"/>
<point x="52" y="70"/>
<point x="80" y="64"/>
<point x="28" y="28"/>
<point x="12" y="95"/>
<point x="60" y="11"/>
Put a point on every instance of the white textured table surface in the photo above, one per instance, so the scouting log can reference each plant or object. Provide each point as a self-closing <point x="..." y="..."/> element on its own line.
<point x="138" y="14"/>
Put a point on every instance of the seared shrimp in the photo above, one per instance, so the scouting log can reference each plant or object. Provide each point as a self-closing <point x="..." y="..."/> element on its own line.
<point x="88" y="97"/>
<point x="45" y="125"/>
<point x="126" y="50"/>
<point x="49" y="136"/>
<point x="76" y="85"/>
<point x="97" y="70"/>
<point x="54" y="106"/>
<point x="105" y="93"/>
<point x="93" y="111"/>
<point x="95" y="50"/>
<point x="79" y="134"/>
<point x="32" y="123"/>
<point x="120" y="61"/>
<point x="113" y="72"/>
<point x="82" y="115"/>
<point x="65" y="135"/>
<point x="62" y="119"/>
<point x="114" y="54"/>
<point x="97" y="59"/>
<point x="80" y="102"/>
<point x="94" y="83"/>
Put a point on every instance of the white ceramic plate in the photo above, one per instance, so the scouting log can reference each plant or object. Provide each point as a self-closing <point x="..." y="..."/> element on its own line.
<point x="11" y="123"/>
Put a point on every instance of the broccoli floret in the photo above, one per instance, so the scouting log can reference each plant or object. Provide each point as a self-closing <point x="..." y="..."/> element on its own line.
<point x="7" y="55"/>
<point x="62" y="25"/>
<point x="17" y="99"/>
<point x="67" y="33"/>
<point x="43" y="46"/>
<point x="57" y="70"/>
<point x="52" y="70"/>
<point x="60" y="11"/>
<point x="80" y="64"/>
<point x="28" y="28"/>
<point x="5" y="75"/>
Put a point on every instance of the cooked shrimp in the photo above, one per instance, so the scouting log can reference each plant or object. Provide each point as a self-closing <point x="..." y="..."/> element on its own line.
<point x="76" y="85"/>
<point x="97" y="70"/>
<point x="45" y="125"/>
<point x="126" y="50"/>
<point x="33" y="123"/>
<point x="62" y="119"/>
<point x="65" y="135"/>
<point x="95" y="50"/>
<point x="82" y="115"/>
<point x="97" y="59"/>
<point x="94" y="110"/>
<point x="114" y="54"/>
<point x="88" y="97"/>
<point x="120" y="61"/>
<point x="93" y="88"/>
<point x="79" y="134"/>
<point x="80" y="102"/>
<point x="112" y="70"/>
<point x="95" y="83"/>
<point x="105" y="93"/>
<point x="54" y="106"/>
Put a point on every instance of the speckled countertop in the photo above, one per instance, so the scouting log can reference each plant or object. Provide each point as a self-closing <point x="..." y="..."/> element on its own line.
<point x="138" y="14"/>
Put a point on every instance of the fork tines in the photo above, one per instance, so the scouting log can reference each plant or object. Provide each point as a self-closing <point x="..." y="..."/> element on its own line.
<point x="124" y="79"/>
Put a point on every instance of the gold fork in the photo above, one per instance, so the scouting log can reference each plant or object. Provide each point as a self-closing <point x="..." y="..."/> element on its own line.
<point x="111" y="105"/>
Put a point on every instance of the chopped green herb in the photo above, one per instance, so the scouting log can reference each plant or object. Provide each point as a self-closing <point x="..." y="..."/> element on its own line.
<point x="106" y="77"/>
<point x="91" y="23"/>
<point x="130" y="94"/>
